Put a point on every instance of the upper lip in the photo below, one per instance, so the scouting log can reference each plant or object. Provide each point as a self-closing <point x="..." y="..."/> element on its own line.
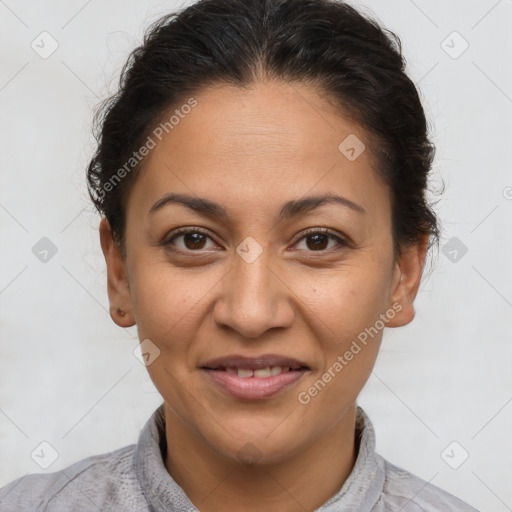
<point x="254" y="362"/>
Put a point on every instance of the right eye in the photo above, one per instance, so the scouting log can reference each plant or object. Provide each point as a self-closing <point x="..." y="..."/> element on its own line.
<point x="188" y="239"/>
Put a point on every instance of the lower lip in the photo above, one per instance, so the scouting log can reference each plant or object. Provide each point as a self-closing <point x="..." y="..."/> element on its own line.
<point x="254" y="388"/>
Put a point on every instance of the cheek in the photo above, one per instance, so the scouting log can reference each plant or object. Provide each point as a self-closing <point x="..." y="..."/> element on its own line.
<point x="341" y="311"/>
<point x="168" y="301"/>
<point x="343" y="302"/>
<point x="342" y="308"/>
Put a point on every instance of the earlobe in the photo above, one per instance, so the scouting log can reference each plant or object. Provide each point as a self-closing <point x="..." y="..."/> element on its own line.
<point x="118" y="286"/>
<point x="406" y="281"/>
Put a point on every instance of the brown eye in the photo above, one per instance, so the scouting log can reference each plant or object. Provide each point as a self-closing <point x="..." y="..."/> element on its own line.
<point x="189" y="240"/>
<point x="194" y="240"/>
<point x="319" y="240"/>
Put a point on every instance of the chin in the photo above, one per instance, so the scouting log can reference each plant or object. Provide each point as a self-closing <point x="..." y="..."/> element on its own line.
<point x="257" y="446"/>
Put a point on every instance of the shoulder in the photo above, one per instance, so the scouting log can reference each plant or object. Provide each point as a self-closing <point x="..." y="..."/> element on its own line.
<point x="102" y="482"/>
<point x="409" y="493"/>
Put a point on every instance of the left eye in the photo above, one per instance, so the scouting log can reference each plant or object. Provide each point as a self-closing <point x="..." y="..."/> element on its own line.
<point x="319" y="241"/>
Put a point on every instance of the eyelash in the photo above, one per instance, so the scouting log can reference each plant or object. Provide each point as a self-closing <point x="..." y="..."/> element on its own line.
<point x="168" y="242"/>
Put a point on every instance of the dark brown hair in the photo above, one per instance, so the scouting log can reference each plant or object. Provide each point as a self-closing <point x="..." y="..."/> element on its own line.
<point x="350" y="58"/>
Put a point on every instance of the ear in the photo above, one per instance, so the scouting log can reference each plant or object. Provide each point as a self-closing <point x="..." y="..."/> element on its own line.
<point x="118" y="285"/>
<point x="406" y="281"/>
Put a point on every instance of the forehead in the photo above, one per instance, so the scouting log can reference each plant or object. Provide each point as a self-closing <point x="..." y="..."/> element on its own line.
<point x="264" y="144"/>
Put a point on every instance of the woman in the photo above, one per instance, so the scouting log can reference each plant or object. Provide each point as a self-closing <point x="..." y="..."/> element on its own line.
<point x="261" y="174"/>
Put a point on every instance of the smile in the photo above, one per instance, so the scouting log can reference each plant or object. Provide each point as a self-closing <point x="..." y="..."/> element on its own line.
<point x="247" y="384"/>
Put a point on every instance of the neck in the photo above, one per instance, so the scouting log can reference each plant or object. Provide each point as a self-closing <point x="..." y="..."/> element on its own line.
<point x="302" y="482"/>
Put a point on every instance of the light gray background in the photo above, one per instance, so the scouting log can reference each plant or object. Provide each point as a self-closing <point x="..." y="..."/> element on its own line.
<point x="68" y="373"/>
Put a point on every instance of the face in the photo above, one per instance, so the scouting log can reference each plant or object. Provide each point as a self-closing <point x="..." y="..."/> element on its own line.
<point x="269" y="267"/>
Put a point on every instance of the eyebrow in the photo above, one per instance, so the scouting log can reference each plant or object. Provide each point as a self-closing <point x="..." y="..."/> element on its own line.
<point x="289" y="209"/>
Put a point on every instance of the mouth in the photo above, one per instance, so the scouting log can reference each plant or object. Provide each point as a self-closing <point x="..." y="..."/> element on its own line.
<point x="262" y="373"/>
<point x="265" y="362"/>
<point x="254" y="378"/>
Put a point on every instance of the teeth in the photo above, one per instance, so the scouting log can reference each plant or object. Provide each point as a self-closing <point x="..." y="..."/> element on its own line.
<point x="269" y="371"/>
<point x="264" y="372"/>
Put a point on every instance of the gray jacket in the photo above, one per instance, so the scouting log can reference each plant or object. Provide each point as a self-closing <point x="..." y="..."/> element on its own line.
<point x="134" y="479"/>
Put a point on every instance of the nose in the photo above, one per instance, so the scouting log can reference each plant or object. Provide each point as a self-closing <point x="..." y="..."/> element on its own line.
<point x="254" y="298"/>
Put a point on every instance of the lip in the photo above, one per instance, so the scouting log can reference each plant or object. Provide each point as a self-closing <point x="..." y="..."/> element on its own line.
<point x="254" y="388"/>
<point x="255" y="362"/>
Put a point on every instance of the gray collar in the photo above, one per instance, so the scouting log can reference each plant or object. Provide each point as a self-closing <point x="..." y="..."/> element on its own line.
<point x="361" y="490"/>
